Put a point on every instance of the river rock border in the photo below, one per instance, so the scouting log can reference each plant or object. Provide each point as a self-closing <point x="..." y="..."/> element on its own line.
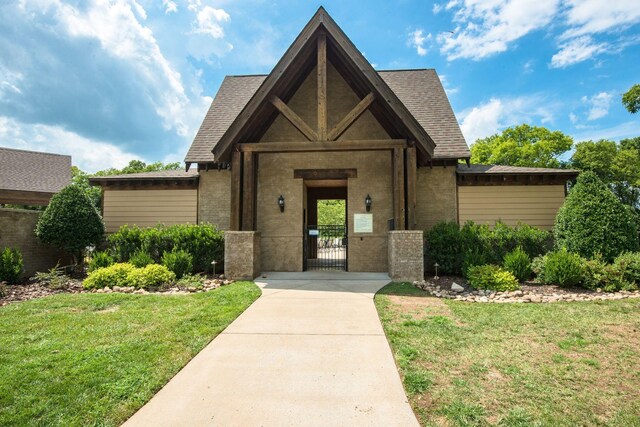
<point x="208" y="285"/>
<point x="459" y="293"/>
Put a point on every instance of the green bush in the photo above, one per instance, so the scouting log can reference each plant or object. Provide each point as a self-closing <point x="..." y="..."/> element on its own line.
<point x="178" y="261"/>
<point x="100" y="259"/>
<point x="443" y="245"/>
<point x="518" y="263"/>
<point x="151" y="276"/>
<point x="562" y="268"/>
<point x="140" y="259"/>
<point x="473" y="257"/>
<point x="492" y="277"/>
<point x="114" y="275"/>
<point x="54" y="278"/>
<point x="191" y="280"/>
<point x="597" y="274"/>
<point x="204" y="242"/>
<point x="627" y="265"/>
<point x="11" y="266"/>
<point x="593" y="220"/>
<point x="70" y="222"/>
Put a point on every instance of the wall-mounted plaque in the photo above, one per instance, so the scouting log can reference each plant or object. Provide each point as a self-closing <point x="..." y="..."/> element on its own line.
<point x="363" y="223"/>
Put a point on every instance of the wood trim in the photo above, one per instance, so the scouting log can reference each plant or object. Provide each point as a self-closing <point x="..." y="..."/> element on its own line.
<point x="411" y="178"/>
<point x="316" y="146"/>
<point x="317" y="174"/>
<point x="236" y="191"/>
<point x="294" y="119"/>
<point x="351" y="117"/>
<point x="512" y="179"/>
<point x="148" y="185"/>
<point x="27" y="198"/>
<point x="322" y="87"/>
<point x="248" y="191"/>
<point x="398" y="188"/>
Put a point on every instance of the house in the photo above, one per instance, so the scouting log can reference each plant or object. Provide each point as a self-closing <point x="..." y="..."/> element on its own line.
<point x="325" y="125"/>
<point x="30" y="178"/>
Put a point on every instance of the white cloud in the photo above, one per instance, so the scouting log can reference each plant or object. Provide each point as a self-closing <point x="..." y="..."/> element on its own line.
<point x="624" y="130"/>
<point x="596" y="16"/>
<point x="488" y="27"/>
<point x="491" y="117"/>
<point x="417" y="39"/>
<point x="169" y="6"/>
<point x="576" y="50"/>
<point x="573" y="118"/>
<point x="89" y="155"/>
<point x="209" y="21"/>
<point x="599" y="105"/>
<point x="436" y="8"/>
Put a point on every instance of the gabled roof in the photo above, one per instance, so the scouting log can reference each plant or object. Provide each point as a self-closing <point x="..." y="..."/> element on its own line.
<point x="33" y="171"/>
<point x="297" y="62"/>
<point x="511" y="170"/>
<point x="419" y="90"/>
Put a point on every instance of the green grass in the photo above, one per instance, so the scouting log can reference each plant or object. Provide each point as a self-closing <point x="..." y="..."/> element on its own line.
<point x="94" y="359"/>
<point x="563" y="364"/>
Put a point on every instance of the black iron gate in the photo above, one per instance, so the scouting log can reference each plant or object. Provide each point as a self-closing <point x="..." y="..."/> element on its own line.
<point x="325" y="247"/>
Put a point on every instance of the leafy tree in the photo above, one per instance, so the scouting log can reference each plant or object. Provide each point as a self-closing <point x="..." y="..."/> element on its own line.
<point x="631" y="99"/>
<point x="81" y="180"/>
<point x="71" y="222"/>
<point x="594" y="221"/>
<point x="522" y="145"/>
<point x="331" y="212"/>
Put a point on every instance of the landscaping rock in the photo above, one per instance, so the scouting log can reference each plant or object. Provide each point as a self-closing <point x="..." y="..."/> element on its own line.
<point x="456" y="288"/>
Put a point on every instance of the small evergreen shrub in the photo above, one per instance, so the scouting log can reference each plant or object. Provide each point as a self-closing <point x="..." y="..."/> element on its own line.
<point x="492" y="277"/>
<point x="593" y="220"/>
<point x="11" y="266"/>
<point x="518" y="263"/>
<point x="151" y="276"/>
<point x="54" y="278"/>
<point x="114" y="275"/>
<point x="178" y="261"/>
<point x="125" y="242"/>
<point x="474" y="257"/>
<point x="443" y="245"/>
<point x="597" y="274"/>
<point x="140" y="259"/>
<point x="100" y="259"/>
<point x="562" y="268"/>
<point x="191" y="280"/>
<point x="628" y="267"/>
<point x="537" y="266"/>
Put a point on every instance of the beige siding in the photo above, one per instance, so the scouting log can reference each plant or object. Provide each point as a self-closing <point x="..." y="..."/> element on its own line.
<point x="146" y="208"/>
<point x="535" y="205"/>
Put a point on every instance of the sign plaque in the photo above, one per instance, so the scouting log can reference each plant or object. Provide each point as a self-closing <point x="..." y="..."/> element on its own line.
<point x="363" y="223"/>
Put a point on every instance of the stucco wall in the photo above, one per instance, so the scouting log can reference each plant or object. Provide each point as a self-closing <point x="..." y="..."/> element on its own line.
<point x="17" y="231"/>
<point x="214" y="198"/>
<point x="436" y="196"/>
<point x="147" y="208"/>
<point x="535" y="205"/>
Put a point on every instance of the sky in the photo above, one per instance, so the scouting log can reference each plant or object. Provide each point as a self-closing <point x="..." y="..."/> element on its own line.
<point x="111" y="81"/>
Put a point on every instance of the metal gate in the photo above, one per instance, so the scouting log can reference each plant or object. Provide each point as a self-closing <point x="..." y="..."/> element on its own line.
<point x="325" y="247"/>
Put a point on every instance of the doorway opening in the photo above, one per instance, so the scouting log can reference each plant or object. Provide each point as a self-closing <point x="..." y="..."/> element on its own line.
<point x="325" y="234"/>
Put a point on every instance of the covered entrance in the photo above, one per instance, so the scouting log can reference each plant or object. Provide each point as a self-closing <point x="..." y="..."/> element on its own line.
<point x="325" y="240"/>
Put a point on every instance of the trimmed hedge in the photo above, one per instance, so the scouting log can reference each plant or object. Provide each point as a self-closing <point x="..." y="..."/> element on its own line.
<point x="456" y="248"/>
<point x="124" y="274"/>
<point x="11" y="266"/>
<point x="492" y="277"/>
<point x="204" y="242"/>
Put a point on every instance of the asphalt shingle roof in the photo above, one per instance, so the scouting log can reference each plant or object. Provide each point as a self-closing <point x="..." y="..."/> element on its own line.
<point x="500" y="169"/>
<point x="22" y="170"/>
<point x="167" y="174"/>
<point x="419" y="90"/>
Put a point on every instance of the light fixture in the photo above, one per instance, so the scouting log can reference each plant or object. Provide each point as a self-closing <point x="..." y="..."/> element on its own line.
<point x="281" y="203"/>
<point x="367" y="202"/>
<point x="214" y="267"/>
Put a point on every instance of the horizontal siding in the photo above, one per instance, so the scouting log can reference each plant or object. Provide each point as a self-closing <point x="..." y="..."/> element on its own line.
<point x="535" y="205"/>
<point x="147" y="208"/>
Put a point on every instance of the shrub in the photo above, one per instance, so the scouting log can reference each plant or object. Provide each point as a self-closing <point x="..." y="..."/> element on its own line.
<point x="593" y="220"/>
<point x="54" y="278"/>
<point x="492" y="277"/>
<point x="537" y="266"/>
<point x="151" y="276"/>
<point x="114" y="275"/>
<point x="125" y="242"/>
<point x="473" y="257"/>
<point x="100" y="259"/>
<point x="178" y="261"/>
<point x="518" y="263"/>
<point x="3" y="289"/>
<point x="443" y="245"/>
<point x="191" y="281"/>
<point x="70" y="222"/>
<point x="598" y="274"/>
<point x="562" y="268"/>
<point x="11" y="266"/>
<point x="628" y="267"/>
<point x="140" y="259"/>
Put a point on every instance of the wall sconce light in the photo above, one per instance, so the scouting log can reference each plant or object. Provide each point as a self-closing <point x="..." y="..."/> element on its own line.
<point x="281" y="203"/>
<point x="367" y="202"/>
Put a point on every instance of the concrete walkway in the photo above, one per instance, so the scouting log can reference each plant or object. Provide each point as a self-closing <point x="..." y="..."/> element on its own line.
<point x="310" y="351"/>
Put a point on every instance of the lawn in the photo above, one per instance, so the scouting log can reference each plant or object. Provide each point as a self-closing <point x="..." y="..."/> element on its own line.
<point x="94" y="359"/>
<point x="470" y="364"/>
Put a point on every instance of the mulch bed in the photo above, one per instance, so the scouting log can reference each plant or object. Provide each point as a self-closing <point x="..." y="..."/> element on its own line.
<point x="31" y="290"/>
<point x="445" y="283"/>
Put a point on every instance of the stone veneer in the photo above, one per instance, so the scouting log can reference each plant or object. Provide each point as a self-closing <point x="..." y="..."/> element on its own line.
<point x="436" y="196"/>
<point x="242" y="255"/>
<point x="406" y="262"/>
<point x="214" y="197"/>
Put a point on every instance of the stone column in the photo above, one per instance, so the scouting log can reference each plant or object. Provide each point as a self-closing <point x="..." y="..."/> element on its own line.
<point x="242" y="255"/>
<point x="406" y="262"/>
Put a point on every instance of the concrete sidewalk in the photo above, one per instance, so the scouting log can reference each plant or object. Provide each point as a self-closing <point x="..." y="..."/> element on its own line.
<point x="310" y="351"/>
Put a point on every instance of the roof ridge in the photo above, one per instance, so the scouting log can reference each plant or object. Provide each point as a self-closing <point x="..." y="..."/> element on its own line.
<point x="35" y="152"/>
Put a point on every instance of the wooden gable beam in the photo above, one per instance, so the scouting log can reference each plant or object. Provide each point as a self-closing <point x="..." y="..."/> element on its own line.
<point x="351" y="117"/>
<point x="317" y="146"/>
<point x="322" y="87"/>
<point x="294" y="119"/>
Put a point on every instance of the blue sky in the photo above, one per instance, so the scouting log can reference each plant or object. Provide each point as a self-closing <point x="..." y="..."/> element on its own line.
<point x="109" y="81"/>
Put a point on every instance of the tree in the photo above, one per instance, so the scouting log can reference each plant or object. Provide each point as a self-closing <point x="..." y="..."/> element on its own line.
<point x="593" y="221"/>
<point x="81" y="180"/>
<point x="71" y="222"/>
<point x="631" y="99"/>
<point x="331" y="212"/>
<point x="523" y="145"/>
